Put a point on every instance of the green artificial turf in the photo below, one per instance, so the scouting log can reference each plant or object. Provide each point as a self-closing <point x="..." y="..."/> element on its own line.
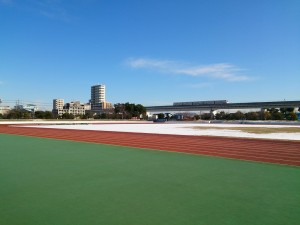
<point x="53" y="182"/>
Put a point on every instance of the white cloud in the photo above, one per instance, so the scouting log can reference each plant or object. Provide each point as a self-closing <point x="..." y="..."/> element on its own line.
<point x="150" y="64"/>
<point x="200" y="85"/>
<point x="223" y="71"/>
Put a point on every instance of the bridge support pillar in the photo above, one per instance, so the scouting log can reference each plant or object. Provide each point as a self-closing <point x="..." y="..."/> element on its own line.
<point x="212" y="114"/>
<point x="262" y="113"/>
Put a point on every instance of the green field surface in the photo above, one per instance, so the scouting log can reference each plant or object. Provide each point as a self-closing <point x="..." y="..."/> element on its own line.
<point x="56" y="182"/>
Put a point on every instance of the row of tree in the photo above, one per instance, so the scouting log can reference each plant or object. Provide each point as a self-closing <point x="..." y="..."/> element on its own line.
<point x="129" y="110"/>
<point x="23" y="114"/>
<point x="133" y="111"/>
<point x="120" y="111"/>
<point x="268" y="114"/>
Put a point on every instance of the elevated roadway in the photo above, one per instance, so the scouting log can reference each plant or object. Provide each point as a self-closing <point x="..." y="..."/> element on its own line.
<point x="213" y="107"/>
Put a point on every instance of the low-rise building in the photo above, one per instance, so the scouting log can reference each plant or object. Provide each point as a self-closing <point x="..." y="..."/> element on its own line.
<point x="104" y="107"/>
<point x="75" y="107"/>
<point x="4" y="109"/>
<point x="29" y="107"/>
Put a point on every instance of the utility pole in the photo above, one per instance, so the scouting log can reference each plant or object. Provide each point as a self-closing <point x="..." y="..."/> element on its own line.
<point x="17" y="104"/>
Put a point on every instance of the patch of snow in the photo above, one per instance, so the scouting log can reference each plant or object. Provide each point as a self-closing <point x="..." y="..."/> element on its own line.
<point x="182" y="129"/>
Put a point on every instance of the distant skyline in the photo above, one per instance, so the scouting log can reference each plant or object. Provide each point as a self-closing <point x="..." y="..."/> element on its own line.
<point x="149" y="52"/>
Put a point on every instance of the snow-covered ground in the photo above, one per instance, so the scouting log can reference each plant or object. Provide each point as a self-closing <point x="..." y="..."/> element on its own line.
<point x="181" y="129"/>
<point x="37" y="121"/>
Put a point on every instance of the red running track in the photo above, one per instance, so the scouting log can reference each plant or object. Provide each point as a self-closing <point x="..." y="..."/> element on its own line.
<point x="270" y="151"/>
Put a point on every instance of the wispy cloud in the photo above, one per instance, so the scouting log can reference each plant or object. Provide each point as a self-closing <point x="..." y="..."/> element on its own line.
<point x="200" y="85"/>
<point x="160" y="65"/>
<point x="1" y="82"/>
<point x="52" y="9"/>
<point x="223" y="71"/>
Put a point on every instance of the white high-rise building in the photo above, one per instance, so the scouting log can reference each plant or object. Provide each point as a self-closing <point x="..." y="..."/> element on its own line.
<point x="58" y="103"/>
<point x="97" y="96"/>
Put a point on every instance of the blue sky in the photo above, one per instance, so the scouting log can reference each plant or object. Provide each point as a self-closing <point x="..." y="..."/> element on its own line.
<point x="149" y="52"/>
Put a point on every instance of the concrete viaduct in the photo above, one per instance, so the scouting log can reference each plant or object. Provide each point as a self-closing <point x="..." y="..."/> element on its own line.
<point x="213" y="107"/>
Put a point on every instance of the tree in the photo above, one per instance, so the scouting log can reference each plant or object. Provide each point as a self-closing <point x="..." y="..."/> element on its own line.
<point x="221" y="115"/>
<point x="87" y="115"/>
<point x="97" y="116"/>
<point x="267" y="115"/>
<point x="26" y="115"/>
<point x="140" y="109"/>
<point x="119" y="108"/>
<point x="67" y="116"/>
<point x="237" y="115"/>
<point x="39" y="115"/>
<point x="206" y="116"/>
<point x="197" y="117"/>
<point x="49" y="115"/>
<point x="104" y="116"/>
<point x="14" y="114"/>
<point x="43" y="115"/>
<point x="252" y="116"/>
<point x="277" y="116"/>
<point x="287" y="112"/>
<point x="129" y="110"/>
<point x="292" y="116"/>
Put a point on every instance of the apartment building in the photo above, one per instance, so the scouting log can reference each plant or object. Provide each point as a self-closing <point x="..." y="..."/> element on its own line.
<point x="58" y="107"/>
<point x="75" y="107"/>
<point x="58" y="103"/>
<point x="97" y="104"/>
<point x="97" y="96"/>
